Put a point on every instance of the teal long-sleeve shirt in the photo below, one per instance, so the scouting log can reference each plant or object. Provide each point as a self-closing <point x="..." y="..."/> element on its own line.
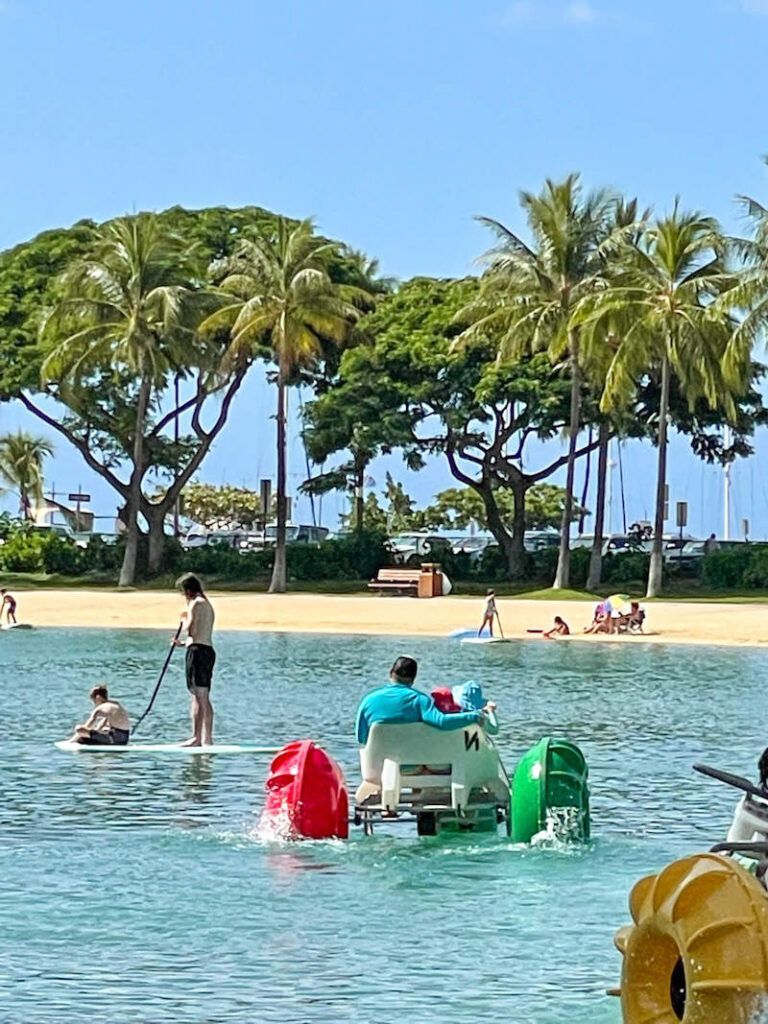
<point x="400" y="704"/>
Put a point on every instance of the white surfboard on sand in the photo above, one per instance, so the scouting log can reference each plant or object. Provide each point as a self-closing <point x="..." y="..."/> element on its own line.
<point x="162" y="748"/>
<point x="485" y="640"/>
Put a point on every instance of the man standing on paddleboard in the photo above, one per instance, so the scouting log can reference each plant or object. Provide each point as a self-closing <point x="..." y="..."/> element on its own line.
<point x="200" y="659"/>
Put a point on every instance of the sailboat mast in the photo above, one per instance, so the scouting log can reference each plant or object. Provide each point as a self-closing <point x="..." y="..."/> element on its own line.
<point x="727" y="488"/>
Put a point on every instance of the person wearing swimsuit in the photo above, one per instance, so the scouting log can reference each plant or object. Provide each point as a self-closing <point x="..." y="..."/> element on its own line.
<point x="200" y="659"/>
<point x="108" y="724"/>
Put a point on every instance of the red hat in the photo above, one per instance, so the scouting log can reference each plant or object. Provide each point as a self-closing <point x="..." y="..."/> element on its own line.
<point x="444" y="701"/>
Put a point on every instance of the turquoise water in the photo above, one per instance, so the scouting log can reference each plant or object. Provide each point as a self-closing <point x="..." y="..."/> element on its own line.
<point x="135" y="889"/>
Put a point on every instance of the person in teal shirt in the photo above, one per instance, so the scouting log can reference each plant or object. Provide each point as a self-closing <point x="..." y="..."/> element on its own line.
<point x="399" y="704"/>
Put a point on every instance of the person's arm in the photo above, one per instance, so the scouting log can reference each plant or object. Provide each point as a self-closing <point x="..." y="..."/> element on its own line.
<point x="361" y="725"/>
<point x="447" y="723"/>
<point x="92" y="719"/>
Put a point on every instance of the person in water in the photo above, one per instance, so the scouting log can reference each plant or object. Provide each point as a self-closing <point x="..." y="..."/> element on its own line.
<point x="200" y="658"/>
<point x="489" y="614"/>
<point x="560" y="628"/>
<point x="398" y="703"/>
<point x="9" y="606"/>
<point x="469" y="697"/>
<point x="108" y="723"/>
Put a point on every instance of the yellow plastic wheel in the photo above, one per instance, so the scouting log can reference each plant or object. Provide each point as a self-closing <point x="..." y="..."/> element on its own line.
<point x="698" y="949"/>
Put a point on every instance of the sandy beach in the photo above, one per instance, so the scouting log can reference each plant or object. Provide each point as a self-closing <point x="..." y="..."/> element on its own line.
<point x="679" y="623"/>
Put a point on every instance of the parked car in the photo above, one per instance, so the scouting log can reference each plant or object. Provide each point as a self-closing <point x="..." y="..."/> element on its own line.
<point x="415" y="548"/>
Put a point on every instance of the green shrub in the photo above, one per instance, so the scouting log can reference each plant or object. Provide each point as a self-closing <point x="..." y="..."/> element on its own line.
<point x="625" y="567"/>
<point x="755" y="575"/>
<point x="23" y="552"/>
<point x="61" y="556"/>
<point x="728" y="567"/>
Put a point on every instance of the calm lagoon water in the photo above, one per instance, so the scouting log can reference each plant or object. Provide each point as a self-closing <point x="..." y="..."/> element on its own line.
<point x="135" y="889"/>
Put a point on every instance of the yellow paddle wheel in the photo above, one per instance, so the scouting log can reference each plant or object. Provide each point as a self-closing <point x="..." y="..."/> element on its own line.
<point x="697" y="950"/>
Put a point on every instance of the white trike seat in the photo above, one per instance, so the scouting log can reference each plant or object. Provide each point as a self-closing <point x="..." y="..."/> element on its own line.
<point x="419" y="757"/>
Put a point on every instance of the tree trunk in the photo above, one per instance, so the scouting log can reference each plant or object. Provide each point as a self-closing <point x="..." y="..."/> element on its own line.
<point x="563" y="574"/>
<point x="596" y="558"/>
<point x="585" y="488"/>
<point x="657" y="558"/>
<point x="359" y="493"/>
<point x="128" y="568"/>
<point x="156" y="543"/>
<point x="278" y="582"/>
<point x="510" y="543"/>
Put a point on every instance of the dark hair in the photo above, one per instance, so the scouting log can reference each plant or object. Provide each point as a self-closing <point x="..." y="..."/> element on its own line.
<point x="99" y="691"/>
<point x="559" y="620"/>
<point x="405" y="669"/>
<point x="190" y="583"/>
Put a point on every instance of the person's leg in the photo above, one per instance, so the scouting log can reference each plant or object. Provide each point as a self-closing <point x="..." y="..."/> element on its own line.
<point x="194" y="714"/>
<point x="206" y="716"/>
<point x="12" y="616"/>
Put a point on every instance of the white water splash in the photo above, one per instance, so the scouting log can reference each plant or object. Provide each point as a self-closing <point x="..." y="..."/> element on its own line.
<point x="563" y="826"/>
<point x="275" y="828"/>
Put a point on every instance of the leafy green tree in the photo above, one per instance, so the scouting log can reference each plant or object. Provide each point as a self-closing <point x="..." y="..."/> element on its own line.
<point x="284" y="306"/>
<point x="457" y="508"/>
<point x="463" y="403"/>
<point x="98" y="417"/>
<point x="129" y="308"/>
<point x="360" y="414"/>
<point x="529" y="294"/>
<point x="662" y="307"/>
<point x="22" y="456"/>
<point x="222" y="507"/>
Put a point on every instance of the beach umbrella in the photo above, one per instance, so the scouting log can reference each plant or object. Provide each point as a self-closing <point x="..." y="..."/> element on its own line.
<point x="619" y="601"/>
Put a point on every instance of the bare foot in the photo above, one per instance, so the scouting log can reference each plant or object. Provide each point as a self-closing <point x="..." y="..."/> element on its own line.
<point x="194" y="742"/>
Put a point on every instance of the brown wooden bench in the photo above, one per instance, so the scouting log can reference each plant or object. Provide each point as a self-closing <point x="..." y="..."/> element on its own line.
<point x="404" y="581"/>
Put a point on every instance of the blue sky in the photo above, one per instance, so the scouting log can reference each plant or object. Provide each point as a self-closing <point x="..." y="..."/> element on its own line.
<point x="393" y="124"/>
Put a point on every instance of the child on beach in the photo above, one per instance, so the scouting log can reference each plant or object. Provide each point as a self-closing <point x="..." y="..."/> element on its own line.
<point x="489" y="614"/>
<point x="9" y="606"/>
<point x="560" y="628"/>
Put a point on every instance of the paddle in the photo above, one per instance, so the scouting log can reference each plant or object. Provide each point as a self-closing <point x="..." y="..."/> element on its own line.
<point x="737" y="781"/>
<point x="164" y="669"/>
<point x="498" y="619"/>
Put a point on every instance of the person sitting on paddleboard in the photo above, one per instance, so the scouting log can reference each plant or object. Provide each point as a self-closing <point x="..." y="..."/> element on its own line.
<point x="398" y="703"/>
<point x="201" y="658"/>
<point x="9" y="604"/>
<point x="489" y="614"/>
<point x="108" y="723"/>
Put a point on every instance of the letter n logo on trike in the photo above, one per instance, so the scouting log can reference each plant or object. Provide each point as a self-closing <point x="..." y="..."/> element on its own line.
<point x="472" y="740"/>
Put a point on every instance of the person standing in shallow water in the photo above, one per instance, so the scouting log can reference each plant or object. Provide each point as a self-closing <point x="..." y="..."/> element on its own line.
<point x="200" y="658"/>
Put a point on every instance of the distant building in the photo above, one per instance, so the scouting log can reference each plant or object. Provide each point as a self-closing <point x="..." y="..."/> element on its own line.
<point x="52" y="513"/>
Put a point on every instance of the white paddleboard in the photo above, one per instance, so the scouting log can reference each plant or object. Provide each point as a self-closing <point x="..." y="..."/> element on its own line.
<point x="16" y="625"/>
<point x="484" y="640"/>
<point x="162" y="748"/>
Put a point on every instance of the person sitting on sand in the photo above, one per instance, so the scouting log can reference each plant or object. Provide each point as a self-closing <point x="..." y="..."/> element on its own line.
<point x="601" y="620"/>
<point x="633" y="622"/>
<point x="398" y="703"/>
<point x="108" y="723"/>
<point x="560" y="628"/>
<point x="489" y="614"/>
<point x="9" y="605"/>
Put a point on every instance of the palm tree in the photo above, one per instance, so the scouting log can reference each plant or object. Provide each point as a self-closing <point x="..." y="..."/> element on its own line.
<point x="662" y="307"/>
<point x="627" y="224"/>
<point x="285" y="307"/>
<point x="21" y="467"/>
<point x="128" y="306"/>
<point x="529" y="294"/>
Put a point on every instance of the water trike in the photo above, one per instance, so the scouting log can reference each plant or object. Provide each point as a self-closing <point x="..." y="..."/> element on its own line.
<point x="452" y="781"/>
<point x="697" y="950"/>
